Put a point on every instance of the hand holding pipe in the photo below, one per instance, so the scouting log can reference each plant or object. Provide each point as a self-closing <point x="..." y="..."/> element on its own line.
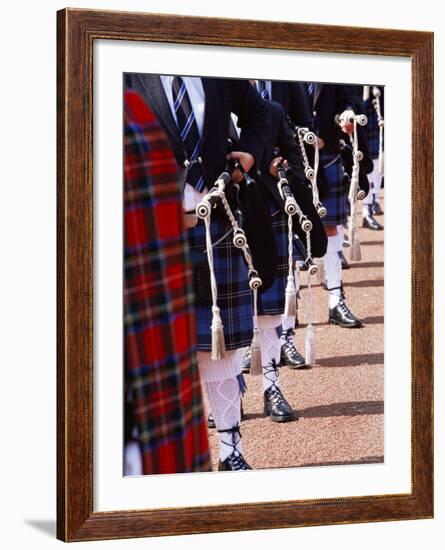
<point x="308" y="137"/>
<point x="235" y="164"/>
<point x="290" y="204"/>
<point x="349" y="116"/>
<point x="210" y="200"/>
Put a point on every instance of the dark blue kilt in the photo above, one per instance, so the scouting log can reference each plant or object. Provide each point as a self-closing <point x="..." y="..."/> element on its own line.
<point x="336" y="200"/>
<point x="272" y="301"/>
<point x="372" y="129"/>
<point x="234" y="294"/>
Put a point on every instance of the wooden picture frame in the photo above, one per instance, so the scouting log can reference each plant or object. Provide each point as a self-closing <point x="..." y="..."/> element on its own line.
<point x="77" y="31"/>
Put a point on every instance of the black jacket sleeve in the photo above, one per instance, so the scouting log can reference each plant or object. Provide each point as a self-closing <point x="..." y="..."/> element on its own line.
<point x="253" y="118"/>
<point x="299" y="111"/>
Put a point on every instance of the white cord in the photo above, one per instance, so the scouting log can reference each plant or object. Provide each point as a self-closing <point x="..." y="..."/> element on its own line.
<point x="357" y="156"/>
<point x="376" y="104"/>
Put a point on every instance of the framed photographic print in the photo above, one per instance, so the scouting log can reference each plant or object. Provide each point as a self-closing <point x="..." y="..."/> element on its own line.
<point x="214" y="177"/>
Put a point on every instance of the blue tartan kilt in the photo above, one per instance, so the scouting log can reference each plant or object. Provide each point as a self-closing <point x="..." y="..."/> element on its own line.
<point x="235" y="298"/>
<point x="372" y="130"/>
<point x="272" y="301"/>
<point x="373" y="143"/>
<point x="336" y="201"/>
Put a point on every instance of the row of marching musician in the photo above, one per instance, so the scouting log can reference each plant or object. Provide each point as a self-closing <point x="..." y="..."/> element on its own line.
<point x="271" y="175"/>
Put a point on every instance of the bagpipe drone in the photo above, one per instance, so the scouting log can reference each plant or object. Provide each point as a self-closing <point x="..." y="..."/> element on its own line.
<point x="292" y="208"/>
<point x="304" y="137"/>
<point x="355" y="192"/>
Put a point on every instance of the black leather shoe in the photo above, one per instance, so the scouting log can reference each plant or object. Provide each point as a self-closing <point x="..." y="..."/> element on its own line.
<point x="376" y="208"/>
<point x="370" y="223"/>
<point x="344" y="262"/>
<point x="233" y="462"/>
<point x="276" y="406"/>
<point x="211" y="421"/>
<point x="342" y="316"/>
<point x="289" y="354"/>
<point x="245" y="362"/>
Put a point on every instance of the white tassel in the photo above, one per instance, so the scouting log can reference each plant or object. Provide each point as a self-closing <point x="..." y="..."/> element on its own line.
<point x="321" y="272"/>
<point x="355" y="253"/>
<point x="255" y="354"/>
<point x="290" y="307"/>
<point x="310" y="346"/>
<point x="217" y="329"/>
<point x="218" y="344"/>
<point x="310" y="341"/>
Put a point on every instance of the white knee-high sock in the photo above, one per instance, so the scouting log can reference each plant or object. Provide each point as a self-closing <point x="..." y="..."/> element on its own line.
<point x="332" y="266"/>
<point x="340" y="236"/>
<point x="367" y="201"/>
<point x="270" y="345"/>
<point x="132" y="459"/>
<point x="377" y="187"/>
<point x="223" y="392"/>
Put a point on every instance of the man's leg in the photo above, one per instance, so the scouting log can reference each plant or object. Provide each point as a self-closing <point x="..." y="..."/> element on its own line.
<point x="376" y="208"/>
<point x="368" y="220"/>
<point x="289" y="355"/>
<point x="275" y="405"/>
<point x="222" y="380"/>
<point x="339" y="312"/>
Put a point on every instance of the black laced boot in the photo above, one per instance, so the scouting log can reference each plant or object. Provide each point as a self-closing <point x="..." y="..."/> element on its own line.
<point x="369" y="221"/>
<point x="235" y="461"/>
<point x="341" y="315"/>
<point x="245" y="362"/>
<point x="289" y="355"/>
<point x="344" y="261"/>
<point x="275" y="405"/>
<point x="376" y="209"/>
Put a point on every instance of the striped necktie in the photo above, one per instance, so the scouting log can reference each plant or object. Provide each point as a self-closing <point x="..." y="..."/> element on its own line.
<point x="263" y="89"/>
<point x="310" y="90"/>
<point x="188" y="130"/>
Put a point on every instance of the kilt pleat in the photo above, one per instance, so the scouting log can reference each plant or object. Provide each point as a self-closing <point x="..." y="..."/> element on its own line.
<point x="372" y="129"/>
<point x="272" y="301"/>
<point x="336" y="201"/>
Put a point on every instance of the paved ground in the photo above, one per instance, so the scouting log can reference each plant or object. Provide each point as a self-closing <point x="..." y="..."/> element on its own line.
<point x="339" y="400"/>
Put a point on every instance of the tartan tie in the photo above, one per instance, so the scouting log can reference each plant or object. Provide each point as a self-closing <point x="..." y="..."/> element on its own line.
<point x="188" y="130"/>
<point x="263" y="89"/>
